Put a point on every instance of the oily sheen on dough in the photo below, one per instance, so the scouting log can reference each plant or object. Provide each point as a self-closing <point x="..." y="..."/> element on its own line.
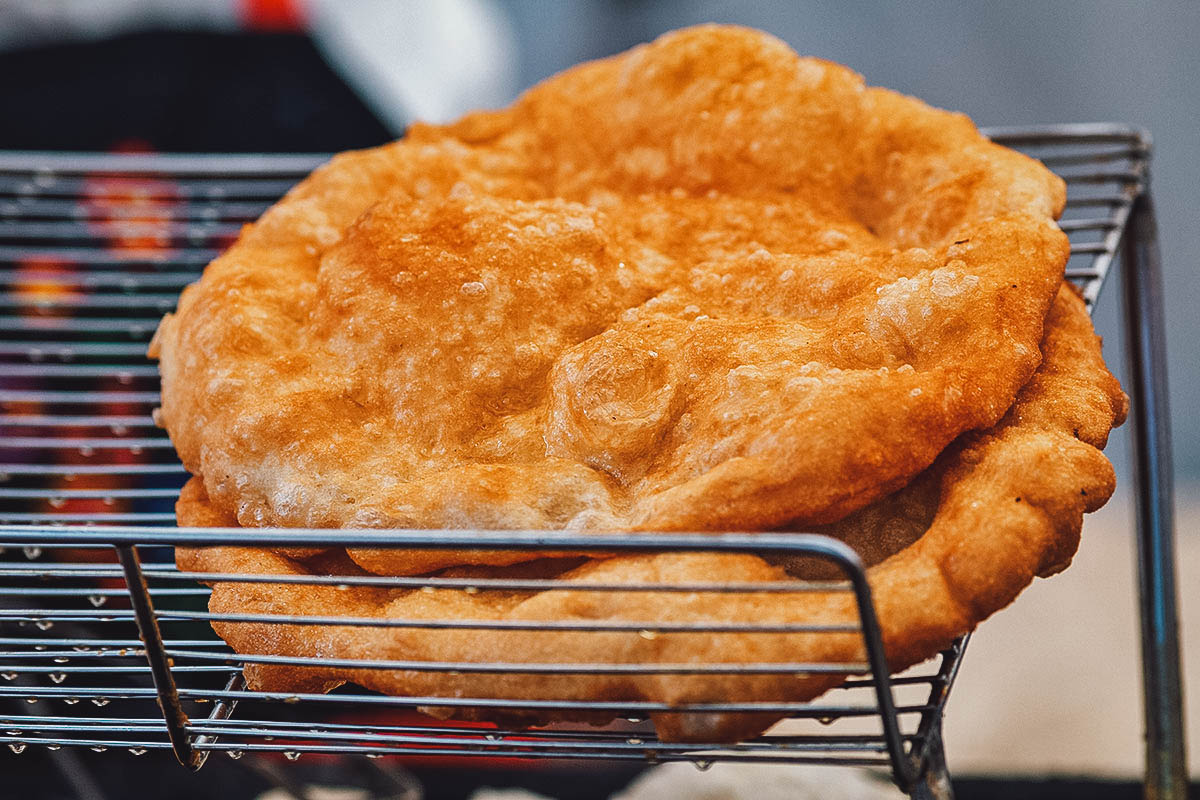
<point x="705" y="284"/>
<point x="998" y="507"/>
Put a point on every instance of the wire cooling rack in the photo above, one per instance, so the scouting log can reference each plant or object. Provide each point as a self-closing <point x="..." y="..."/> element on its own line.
<point x="106" y="645"/>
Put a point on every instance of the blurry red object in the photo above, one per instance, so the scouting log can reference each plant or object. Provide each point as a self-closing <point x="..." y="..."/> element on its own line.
<point x="272" y="15"/>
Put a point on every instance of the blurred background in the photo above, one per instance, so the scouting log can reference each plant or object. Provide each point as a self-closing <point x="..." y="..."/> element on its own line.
<point x="1051" y="686"/>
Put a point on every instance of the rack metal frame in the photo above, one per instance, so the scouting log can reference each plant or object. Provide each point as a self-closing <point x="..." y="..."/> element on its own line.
<point x="94" y="248"/>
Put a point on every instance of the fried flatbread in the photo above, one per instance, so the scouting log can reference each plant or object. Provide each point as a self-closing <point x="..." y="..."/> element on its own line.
<point x="706" y="284"/>
<point x="997" y="508"/>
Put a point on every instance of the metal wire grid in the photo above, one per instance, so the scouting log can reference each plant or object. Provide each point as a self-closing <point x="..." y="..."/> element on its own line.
<point x="204" y="670"/>
<point x="93" y="249"/>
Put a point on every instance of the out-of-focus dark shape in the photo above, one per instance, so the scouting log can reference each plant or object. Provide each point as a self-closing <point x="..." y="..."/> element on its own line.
<point x="181" y="92"/>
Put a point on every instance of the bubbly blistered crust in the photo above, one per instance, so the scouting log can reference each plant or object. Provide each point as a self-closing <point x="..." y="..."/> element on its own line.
<point x="998" y="507"/>
<point x="704" y="284"/>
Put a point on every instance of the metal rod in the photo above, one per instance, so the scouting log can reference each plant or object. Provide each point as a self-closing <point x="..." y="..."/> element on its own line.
<point x="1074" y="133"/>
<point x="929" y="756"/>
<point x="79" y="396"/>
<point x="203" y="164"/>
<point x="178" y="256"/>
<point x="81" y="420"/>
<point x="98" y="279"/>
<point x="90" y="516"/>
<point x="809" y="544"/>
<point x="478" y="738"/>
<point x="59" y="570"/>
<point x="160" y="668"/>
<point x="639" y="708"/>
<point x="902" y="769"/>
<point x="518" y="750"/>
<point x="221" y="711"/>
<point x="538" y="668"/>
<point x="161" y="208"/>
<point x="934" y="781"/>
<point x="1166" y="759"/>
<point x="75" y="230"/>
<point x="253" y="727"/>
<point x="523" y="625"/>
<point x="11" y="469"/>
<point x="289" y="728"/>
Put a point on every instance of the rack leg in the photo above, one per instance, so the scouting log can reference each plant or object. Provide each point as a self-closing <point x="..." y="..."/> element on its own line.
<point x="1166" y="761"/>
<point x="160" y="668"/>
<point x="222" y="710"/>
<point x="934" y="783"/>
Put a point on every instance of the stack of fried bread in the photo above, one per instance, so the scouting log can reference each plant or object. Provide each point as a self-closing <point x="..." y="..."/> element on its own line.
<point x="703" y="285"/>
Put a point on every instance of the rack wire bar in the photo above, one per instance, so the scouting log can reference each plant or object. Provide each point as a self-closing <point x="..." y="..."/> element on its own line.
<point x="92" y="250"/>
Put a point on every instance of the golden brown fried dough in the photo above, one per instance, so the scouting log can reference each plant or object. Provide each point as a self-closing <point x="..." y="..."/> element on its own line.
<point x="705" y="284"/>
<point x="997" y="508"/>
